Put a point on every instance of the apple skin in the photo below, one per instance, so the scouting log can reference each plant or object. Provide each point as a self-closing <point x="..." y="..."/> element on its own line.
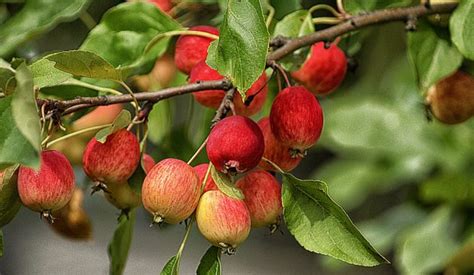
<point x="324" y="70"/>
<point x="51" y="187"/>
<point x="296" y="118"/>
<point x="213" y="98"/>
<point x="235" y="145"/>
<point x="192" y="49"/>
<point x="222" y="220"/>
<point x="262" y="196"/>
<point x="275" y="151"/>
<point x="148" y="163"/>
<point x="451" y="100"/>
<point x="122" y="196"/>
<point x="164" y="5"/>
<point x="113" y="161"/>
<point x="72" y="221"/>
<point x="171" y="191"/>
<point x="201" y="170"/>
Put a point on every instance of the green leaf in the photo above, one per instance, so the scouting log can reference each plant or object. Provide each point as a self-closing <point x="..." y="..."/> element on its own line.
<point x="1" y="243"/>
<point x="83" y="63"/>
<point x="322" y="226"/>
<point x="45" y="74"/>
<point x="7" y="79"/>
<point x="432" y="56"/>
<point x="240" y="52"/>
<point x="461" y="25"/>
<point x="427" y="247"/>
<point x="456" y="189"/>
<point x="120" y="244"/>
<point x="35" y="18"/>
<point x="120" y="122"/>
<point x="225" y="185"/>
<point x="67" y="91"/>
<point x="211" y="262"/>
<point x="358" y="6"/>
<point x="24" y="107"/>
<point x="160" y="121"/>
<point x="283" y="8"/>
<point x="14" y="147"/>
<point x="171" y="267"/>
<point x="294" y="25"/>
<point x="124" y="32"/>
<point x="9" y="200"/>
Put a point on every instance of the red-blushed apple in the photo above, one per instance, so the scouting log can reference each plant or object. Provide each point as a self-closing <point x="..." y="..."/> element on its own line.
<point x="235" y="145"/>
<point x="148" y="163"/>
<point x="256" y="95"/>
<point x="113" y="161"/>
<point x="275" y="151"/>
<point x="263" y="198"/>
<point x="99" y="116"/>
<point x="51" y="187"/>
<point x="451" y="100"/>
<point x="222" y="220"/>
<point x="296" y="118"/>
<point x="72" y="221"/>
<point x="164" y="5"/>
<point x="192" y="49"/>
<point x="201" y="170"/>
<point x="171" y="191"/>
<point x="324" y="69"/>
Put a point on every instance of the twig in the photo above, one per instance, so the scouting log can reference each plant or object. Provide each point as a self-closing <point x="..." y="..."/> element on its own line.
<point x="225" y="107"/>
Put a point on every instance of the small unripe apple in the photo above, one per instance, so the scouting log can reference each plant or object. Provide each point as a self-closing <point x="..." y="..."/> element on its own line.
<point x="275" y="151"/>
<point x="262" y="196"/>
<point x="201" y="171"/>
<point x="113" y="161"/>
<point x="222" y="220"/>
<point x="235" y="145"/>
<point x="51" y="187"/>
<point x="256" y="95"/>
<point x="296" y="118"/>
<point x="192" y="49"/>
<point x="171" y="191"/>
<point x="72" y="221"/>
<point x="451" y="100"/>
<point x="324" y="69"/>
<point x="122" y="196"/>
<point x="148" y="162"/>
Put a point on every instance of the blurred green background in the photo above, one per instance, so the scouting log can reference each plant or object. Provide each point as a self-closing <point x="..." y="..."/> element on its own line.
<point x="406" y="182"/>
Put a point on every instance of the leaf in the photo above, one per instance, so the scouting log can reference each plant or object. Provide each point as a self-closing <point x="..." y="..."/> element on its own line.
<point x="294" y="25"/>
<point x="359" y="6"/>
<point x="35" y="18"/>
<point x="83" y="63"/>
<point x="124" y="32"/>
<point x="461" y="25"/>
<point x="9" y="199"/>
<point x="45" y="74"/>
<point x="24" y="107"/>
<point x="171" y="267"/>
<point x="120" y="244"/>
<point x="1" y="243"/>
<point x="322" y="226"/>
<point x="225" y="185"/>
<point x="211" y="262"/>
<point x="240" y="52"/>
<point x="432" y="56"/>
<point x="160" y="121"/>
<point x="427" y="247"/>
<point x="283" y="8"/>
<point x="7" y="79"/>
<point x="14" y="147"/>
<point x="456" y="189"/>
<point x="67" y="91"/>
<point x="120" y="122"/>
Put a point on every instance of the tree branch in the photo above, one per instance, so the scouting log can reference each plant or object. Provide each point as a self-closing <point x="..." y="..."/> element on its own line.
<point x="283" y="47"/>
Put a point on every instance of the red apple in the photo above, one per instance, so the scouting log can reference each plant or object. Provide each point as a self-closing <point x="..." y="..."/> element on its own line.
<point x="201" y="170"/>
<point x="171" y="191"/>
<point x="213" y="98"/>
<point x="192" y="49"/>
<point x="275" y="151"/>
<point x="113" y="161"/>
<point x="235" y="144"/>
<point x="148" y="162"/>
<point x="222" y="220"/>
<point x="324" y="69"/>
<point x="296" y="118"/>
<point x="51" y="187"/>
<point x="262" y="196"/>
